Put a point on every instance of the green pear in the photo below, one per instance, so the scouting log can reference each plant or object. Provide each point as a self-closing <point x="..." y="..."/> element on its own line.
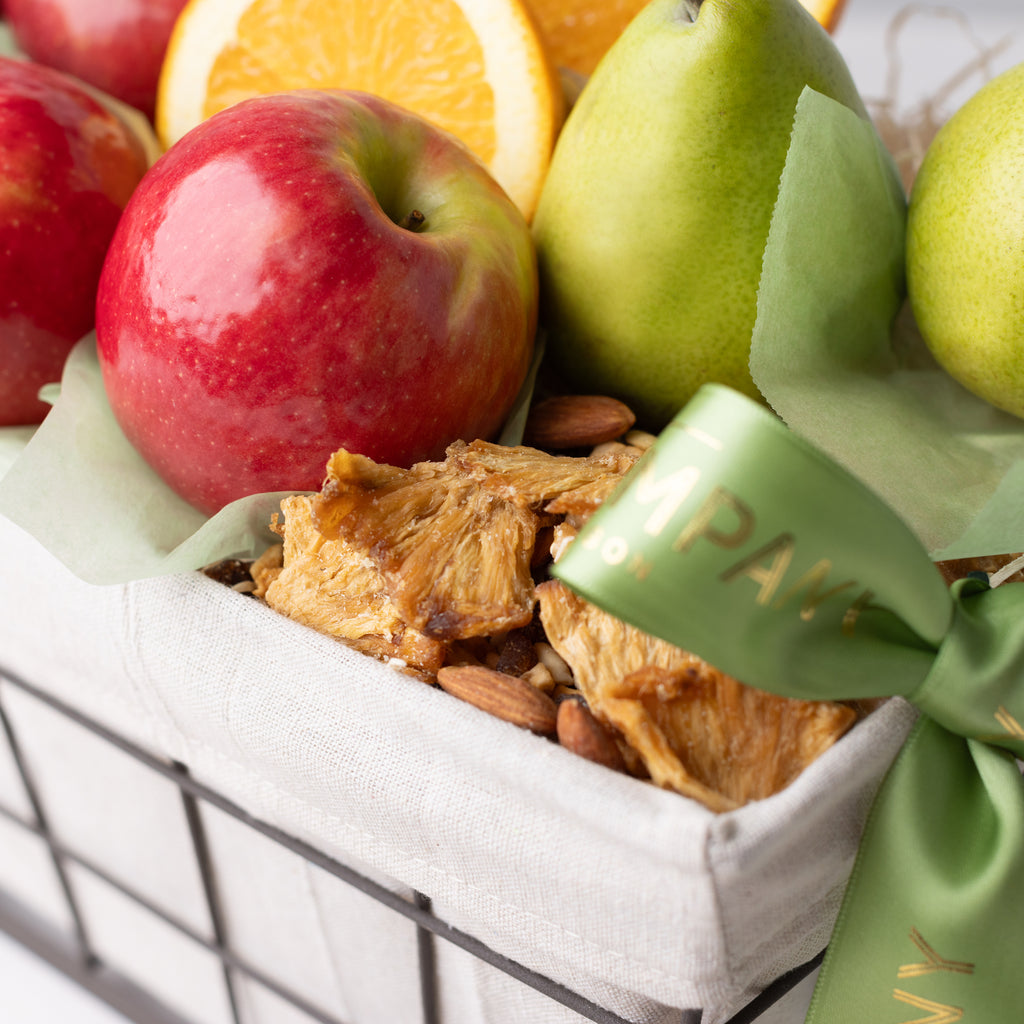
<point x="655" y="212"/>
<point x="965" y="244"/>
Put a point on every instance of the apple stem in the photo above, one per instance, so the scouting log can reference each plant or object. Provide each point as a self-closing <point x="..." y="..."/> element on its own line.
<point x="413" y="221"/>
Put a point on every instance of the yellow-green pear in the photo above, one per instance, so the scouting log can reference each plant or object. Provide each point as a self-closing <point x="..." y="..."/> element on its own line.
<point x="655" y="212"/>
<point x="965" y="243"/>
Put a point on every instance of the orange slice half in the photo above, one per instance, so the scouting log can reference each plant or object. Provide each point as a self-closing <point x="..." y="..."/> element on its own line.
<point x="827" y="12"/>
<point x="476" y="68"/>
<point x="579" y="32"/>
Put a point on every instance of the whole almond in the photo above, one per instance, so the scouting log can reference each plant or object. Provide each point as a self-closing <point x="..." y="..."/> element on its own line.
<point x="576" y="421"/>
<point x="506" y="697"/>
<point x="583" y="734"/>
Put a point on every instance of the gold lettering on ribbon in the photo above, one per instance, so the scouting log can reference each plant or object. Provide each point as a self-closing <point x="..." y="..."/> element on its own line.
<point x="853" y="612"/>
<point x="940" y="1012"/>
<point x="639" y="567"/>
<point x="932" y="961"/>
<point x="1010" y="724"/>
<point x="769" y="576"/>
<point x="812" y="581"/>
<point x="614" y="550"/>
<point x="669" y="493"/>
<point x="704" y="437"/>
<point x="701" y="524"/>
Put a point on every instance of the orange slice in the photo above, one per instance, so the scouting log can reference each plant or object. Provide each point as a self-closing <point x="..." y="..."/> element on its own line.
<point x="827" y="12"/>
<point x="578" y="32"/>
<point x="476" y="68"/>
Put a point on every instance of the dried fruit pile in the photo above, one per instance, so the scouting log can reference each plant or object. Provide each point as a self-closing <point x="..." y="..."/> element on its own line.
<point x="441" y="571"/>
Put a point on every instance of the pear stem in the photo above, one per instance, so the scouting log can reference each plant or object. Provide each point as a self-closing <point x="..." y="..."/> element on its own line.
<point x="690" y="8"/>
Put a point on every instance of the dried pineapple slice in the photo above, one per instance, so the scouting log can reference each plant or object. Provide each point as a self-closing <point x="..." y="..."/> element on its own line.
<point x="334" y="589"/>
<point x="455" y="559"/>
<point x="698" y="731"/>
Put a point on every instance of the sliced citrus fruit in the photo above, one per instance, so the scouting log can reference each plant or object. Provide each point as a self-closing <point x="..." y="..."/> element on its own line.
<point x="826" y="11"/>
<point x="578" y="32"/>
<point x="477" y="68"/>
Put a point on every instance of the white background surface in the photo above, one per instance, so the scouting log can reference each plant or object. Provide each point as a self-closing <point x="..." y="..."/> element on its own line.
<point x="32" y="993"/>
<point x="934" y="47"/>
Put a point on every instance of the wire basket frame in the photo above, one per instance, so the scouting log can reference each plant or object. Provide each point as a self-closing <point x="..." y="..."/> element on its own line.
<point x="75" y="957"/>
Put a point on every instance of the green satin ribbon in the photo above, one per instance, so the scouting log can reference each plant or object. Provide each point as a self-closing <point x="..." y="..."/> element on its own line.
<point x="737" y="540"/>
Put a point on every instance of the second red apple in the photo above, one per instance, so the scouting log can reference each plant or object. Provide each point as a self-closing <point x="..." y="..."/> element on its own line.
<point x="68" y="163"/>
<point x="116" y="45"/>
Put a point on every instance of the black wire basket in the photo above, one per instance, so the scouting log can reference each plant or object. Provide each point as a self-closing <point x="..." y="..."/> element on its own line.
<point x="73" y="952"/>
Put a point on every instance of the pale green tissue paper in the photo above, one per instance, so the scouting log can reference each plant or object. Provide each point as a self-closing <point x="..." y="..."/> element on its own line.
<point x="829" y="361"/>
<point x="88" y="497"/>
<point x="12" y="444"/>
<point x="8" y="48"/>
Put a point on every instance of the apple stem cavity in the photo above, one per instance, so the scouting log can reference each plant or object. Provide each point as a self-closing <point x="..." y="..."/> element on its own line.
<point x="689" y="9"/>
<point x="414" y="220"/>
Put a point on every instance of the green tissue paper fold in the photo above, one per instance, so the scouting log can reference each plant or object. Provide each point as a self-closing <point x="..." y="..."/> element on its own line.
<point x="82" y="490"/>
<point x="836" y="354"/>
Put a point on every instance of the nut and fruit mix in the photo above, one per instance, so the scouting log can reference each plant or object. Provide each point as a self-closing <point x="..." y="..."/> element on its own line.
<point x="441" y="570"/>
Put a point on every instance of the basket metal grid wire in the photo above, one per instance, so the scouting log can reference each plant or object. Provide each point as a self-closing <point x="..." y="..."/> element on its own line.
<point x="74" y="956"/>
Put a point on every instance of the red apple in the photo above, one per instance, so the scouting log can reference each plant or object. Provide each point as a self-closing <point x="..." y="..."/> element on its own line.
<point x="68" y="164"/>
<point x="308" y="271"/>
<point x="116" y="45"/>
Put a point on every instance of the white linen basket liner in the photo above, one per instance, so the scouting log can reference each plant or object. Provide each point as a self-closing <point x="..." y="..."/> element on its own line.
<point x="638" y="899"/>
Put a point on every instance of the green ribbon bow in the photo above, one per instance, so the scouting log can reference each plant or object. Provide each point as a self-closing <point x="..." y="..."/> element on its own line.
<point x="736" y="539"/>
